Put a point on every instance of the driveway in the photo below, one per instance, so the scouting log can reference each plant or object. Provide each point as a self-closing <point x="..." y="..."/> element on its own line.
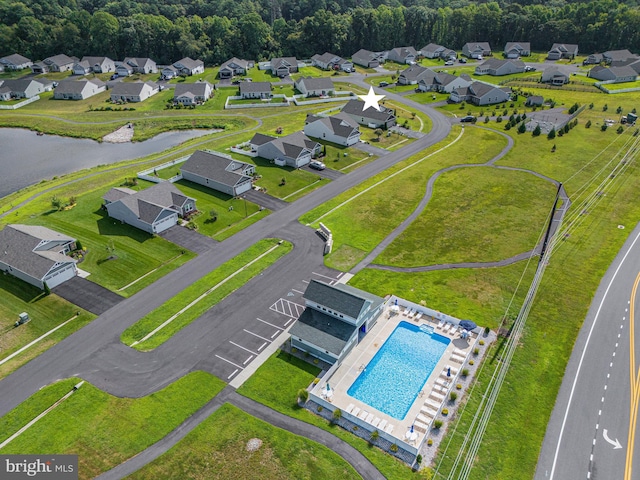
<point x="265" y="200"/>
<point x="88" y="295"/>
<point x="189" y="239"/>
<point x="367" y="147"/>
<point x="326" y="173"/>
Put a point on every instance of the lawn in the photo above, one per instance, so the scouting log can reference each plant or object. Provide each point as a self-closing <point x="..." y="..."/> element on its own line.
<point x="46" y="312"/>
<point x="372" y="215"/>
<point x="217" y="448"/>
<point x="276" y="384"/>
<point x="344" y="159"/>
<point x="136" y="252"/>
<point x="207" y="292"/>
<point x="101" y="429"/>
<point x="210" y="75"/>
<point x="475" y="215"/>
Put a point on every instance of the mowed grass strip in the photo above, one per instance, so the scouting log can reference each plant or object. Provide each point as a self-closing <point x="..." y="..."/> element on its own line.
<point x="217" y="448"/>
<point x="101" y="429"/>
<point x="478" y="214"/>
<point x="46" y="312"/>
<point x="206" y="292"/>
<point x="276" y="384"/>
<point x="370" y="217"/>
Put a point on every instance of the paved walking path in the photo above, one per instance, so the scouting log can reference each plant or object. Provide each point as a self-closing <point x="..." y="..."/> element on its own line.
<point x="228" y="395"/>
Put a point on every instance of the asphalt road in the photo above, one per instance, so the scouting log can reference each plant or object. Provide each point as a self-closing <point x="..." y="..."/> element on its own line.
<point x="588" y="436"/>
<point x="95" y="351"/>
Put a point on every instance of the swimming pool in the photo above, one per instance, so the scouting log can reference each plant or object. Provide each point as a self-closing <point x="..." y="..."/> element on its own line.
<point x="396" y="374"/>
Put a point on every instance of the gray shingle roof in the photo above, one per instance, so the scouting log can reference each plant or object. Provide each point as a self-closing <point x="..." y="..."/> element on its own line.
<point x="255" y="87"/>
<point x="322" y="330"/>
<point x="189" y="63"/>
<point x="14" y="59"/>
<point x="340" y="298"/>
<point x="131" y="88"/>
<point x="341" y="124"/>
<point x="147" y="204"/>
<point x="17" y="245"/>
<point x="354" y="107"/>
<point x="431" y="47"/>
<point x="117" y="193"/>
<point x="236" y="61"/>
<point x="320" y="83"/>
<point x="198" y="89"/>
<point x="76" y="86"/>
<point x="216" y="167"/>
<point x="293" y="144"/>
<point x="261" y="139"/>
<point x="21" y="84"/>
<point x="59" y="60"/>
<point x="522" y="46"/>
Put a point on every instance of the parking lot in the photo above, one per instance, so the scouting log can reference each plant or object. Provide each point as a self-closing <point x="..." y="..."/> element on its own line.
<point x="243" y="347"/>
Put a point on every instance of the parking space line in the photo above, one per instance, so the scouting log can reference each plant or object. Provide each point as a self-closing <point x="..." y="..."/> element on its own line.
<point x="234" y="372"/>
<point x="274" y="326"/>
<point x="305" y="281"/>
<point x="297" y="291"/>
<point x="247" y="360"/>
<point x="288" y="322"/>
<point x="325" y="276"/>
<point x="274" y="334"/>
<point x="340" y="274"/>
<point x="229" y="361"/>
<point x="263" y="345"/>
<point x="289" y="307"/>
<point x="256" y="335"/>
<point x="240" y="346"/>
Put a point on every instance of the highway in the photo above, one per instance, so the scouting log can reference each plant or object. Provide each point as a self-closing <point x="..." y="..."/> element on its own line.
<point x="592" y="431"/>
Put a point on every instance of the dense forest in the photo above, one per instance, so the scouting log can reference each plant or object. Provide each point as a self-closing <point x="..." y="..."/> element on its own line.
<point x="215" y="30"/>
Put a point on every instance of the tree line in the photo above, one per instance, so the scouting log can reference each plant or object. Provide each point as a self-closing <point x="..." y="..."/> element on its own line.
<point x="214" y="31"/>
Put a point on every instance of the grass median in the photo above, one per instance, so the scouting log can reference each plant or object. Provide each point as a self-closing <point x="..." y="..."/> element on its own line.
<point x="163" y="322"/>
<point x="101" y="429"/>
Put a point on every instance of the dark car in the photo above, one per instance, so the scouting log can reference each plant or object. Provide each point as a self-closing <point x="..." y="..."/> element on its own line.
<point x="384" y="84"/>
<point x="462" y="60"/>
<point x="468" y="118"/>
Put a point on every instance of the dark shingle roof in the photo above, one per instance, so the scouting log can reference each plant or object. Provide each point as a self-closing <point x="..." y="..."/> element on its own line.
<point x="341" y="124"/>
<point x="131" y="88"/>
<point x="76" y="86"/>
<point x="189" y="63"/>
<point x="320" y="83"/>
<point x="59" y="60"/>
<point x="216" y="167"/>
<point x="261" y="139"/>
<point x="340" y="298"/>
<point x="147" y="204"/>
<point x="14" y="59"/>
<point x="198" y="89"/>
<point x="117" y="193"/>
<point x="255" y="87"/>
<point x="354" y="107"/>
<point x="322" y="330"/>
<point x="523" y="46"/>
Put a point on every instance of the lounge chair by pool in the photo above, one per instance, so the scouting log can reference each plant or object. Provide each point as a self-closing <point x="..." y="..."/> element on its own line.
<point x="349" y="408"/>
<point x="363" y="414"/>
<point x="369" y="418"/>
<point x="376" y="422"/>
<point x="355" y="411"/>
<point x="383" y="424"/>
<point x="389" y="428"/>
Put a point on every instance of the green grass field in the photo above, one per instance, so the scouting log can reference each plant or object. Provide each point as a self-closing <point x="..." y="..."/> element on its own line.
<point x="101" y="429"/>
<point x="46" y="312"/>
<point x="217" y="448"/>
<point x="234" y="273"/>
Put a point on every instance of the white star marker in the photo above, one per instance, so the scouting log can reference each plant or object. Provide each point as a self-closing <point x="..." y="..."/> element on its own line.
<point x="371" y="99"/>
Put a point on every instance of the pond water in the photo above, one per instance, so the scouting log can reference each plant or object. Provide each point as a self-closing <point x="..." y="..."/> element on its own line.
<point x="26" y="158"/>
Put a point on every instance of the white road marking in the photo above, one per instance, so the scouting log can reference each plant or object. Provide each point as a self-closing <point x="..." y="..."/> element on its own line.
<point x="297" y="291"/>
<point x="321" y="275"/>
<point x="229" y="361"/>
<point x="240" y="346"/>
<point x="256" y="335"/>
<point x="599" y="412"/>
<point x="305" y="281"/>
<point x="234" y="372"/>
<point x="274" y="326"/>
<point x="263" y="345"/>
<point x="247" y="360"/>
<point x="340" y="274"/>
<point x="288" y="321"/>
<point x="274" y="334"/>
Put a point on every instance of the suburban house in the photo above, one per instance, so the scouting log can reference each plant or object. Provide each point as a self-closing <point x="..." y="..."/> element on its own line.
<point x="294" y="150"/>
<point x="517" y="49"/>
<point x="619" y="57"/>
<point x="368" y="59"/>
<point x="283" y="66"/>
<point x="26" y="87"/>
<point x="443" y="82"/>
<point x="497" y="67"/>
<point x="480" y="93"/>
<point x="555" y="75"/>
<point x="315" y="87"/>
<point x="255" y="90"/>
<point x="433" y="50"/>
<point x="382" y="118"/>
<point x="613" y="74"/>
<point x="233" y="67"/>
<point x="133" y="91"/>
<point x="334" y="315"/>
<point x="57" y="63"/>
<point x="329" y="61"/>
<point x="192" y="93"/>
<point x="169" y="72"/>
<point x="407" y="55"/>
<point x="95" y="65"/>
<point x="78" y="89"/>
<point x="5" y="93"/>
<point x="153" y="209"/>
<point x="37" y="255"/>
<point x="562" y="50"/>
<point x="188" y="66"/>
<point x="340" y="129"/>
<point x="593" y="59"/>
<point x="476" y="49"/>
<point x="15" y="62"/>
<point x="131" y="65"/>
<point x="534" y="101"/>
<point x="219" y="172"/>
<point x="413" y="74"/>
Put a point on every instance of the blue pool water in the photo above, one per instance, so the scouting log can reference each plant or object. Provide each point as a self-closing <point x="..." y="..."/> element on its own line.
<point x="394" y="376"/>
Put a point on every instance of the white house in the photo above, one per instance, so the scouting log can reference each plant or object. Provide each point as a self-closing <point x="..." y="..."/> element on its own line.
<point x="340" y="129"/>
<point x="315" y="87"/>
<point x="133" y="91"/>
<point x="192" y="93"/>
<point x="78" y="89"/>
<point x="476" y="49"/>
<point x="219" y="172"/>
<point x="294" y="150"/>
<point x="480" y="93"/>
<point x="15" y="62"/>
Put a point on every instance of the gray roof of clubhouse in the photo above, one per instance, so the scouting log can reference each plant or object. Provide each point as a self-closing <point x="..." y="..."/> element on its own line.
<point x="322" y="330"/>
<point x="340" y="298"/>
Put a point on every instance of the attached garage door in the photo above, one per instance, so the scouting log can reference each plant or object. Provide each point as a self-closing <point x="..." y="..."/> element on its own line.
<point x="245" y="187"/>
<point x="165" y="223"/>
<point x="60" y="276"/>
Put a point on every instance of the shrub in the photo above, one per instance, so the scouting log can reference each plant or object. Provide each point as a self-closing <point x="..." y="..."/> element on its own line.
<point x="315" y="360"/>
<point x="507" y="126"/>
<point x="591" y="106"/>
<point x="430" y="442"/>
<point x="481" y="342"/>
<point x="604" y="127"/>
<point x="552" y="134"/>
<point x="316" y="380"/>
<point x="374" y="436"/>
<point x="56" y="203"/>
<point x="471" y="362"/>
<point x="465" y="372"/>
<point x="394" y="448"/>
<point x="536" y="131"/>
<point x="588" y="124"/>
<point x="524" y="117"/>
<point x="303" y="395"/>
<point x="419" y="459"/>
<point x="453" y="396"/>
<point x="620" y="129"/>
<point x="320" y="408"/>
<point x="619" y="109"/>
<point x="523" y="128"/>
<point x="476" y="351"/>
<point x="566" y="128"/>
<point x="486" y="330"/>
<point x="605" y="107"/>
<point x="337" y="414"/>
<point x="437" y="424"/>
<point x="78" y="245"/>
<point x="72" y="200"/>
<point x="445" y="411"/>
<point x="458" y="386"/>
<point x="499" y="119"/>
<point x="47" y="290"/>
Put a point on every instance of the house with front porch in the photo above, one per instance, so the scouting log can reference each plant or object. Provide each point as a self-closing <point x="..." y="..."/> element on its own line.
<point x="131" y="65"/>
<point x="295" y="150"/>
<point x="499" y="67"/>
<point x="340" y="129"/>
<point x="413" y="74"/>
<point x="192" y="93"/>
<point x="443" y="82"/>
<point x="479" y="93"/>
<point x="94" y="64"/>
<point x="26" y="87"/>
<point x="37" y="255"/>
<point x="187" y="66"/>
<point x="329" y="61"/>
<point x="372" y="118"/>
<point x="334" y="320"/>
<point x="561" y="51"/>
<point x="613" y="74"/>
<point x="153" y="210"/>
<point x="15" y="62"/>
<point x="315" y="87"/>
<point x="517" y="49"/>
<point x="218" y="171"/>
<point x="255" y="90"/>
<point x="57" y="63"/>
<point x="476" y="50"/>
<point x="78" y="89"/>
<point x="404" y="55"/>
<point x="133" y="91"/>
<point x="368" y="59"/>
<point x="283" y="66"/>
<point x="555" y="75"/>
<point x="233" y="67"/>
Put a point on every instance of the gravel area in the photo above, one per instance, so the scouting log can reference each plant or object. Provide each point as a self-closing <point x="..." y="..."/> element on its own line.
<point x="122" y="135"/>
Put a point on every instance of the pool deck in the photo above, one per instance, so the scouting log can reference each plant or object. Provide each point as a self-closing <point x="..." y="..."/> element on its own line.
<point x="433" y="395"/>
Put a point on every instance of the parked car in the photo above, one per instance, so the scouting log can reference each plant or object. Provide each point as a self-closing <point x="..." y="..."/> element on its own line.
<point x="449" y="62"/>
<point x="384" y="84"/>
<point x="114" y="76"/>
<point x="529" y="68"/>
<point x="468" y="118"/>
<point x="462" y="60"/>
<point x="317" y="165"/>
